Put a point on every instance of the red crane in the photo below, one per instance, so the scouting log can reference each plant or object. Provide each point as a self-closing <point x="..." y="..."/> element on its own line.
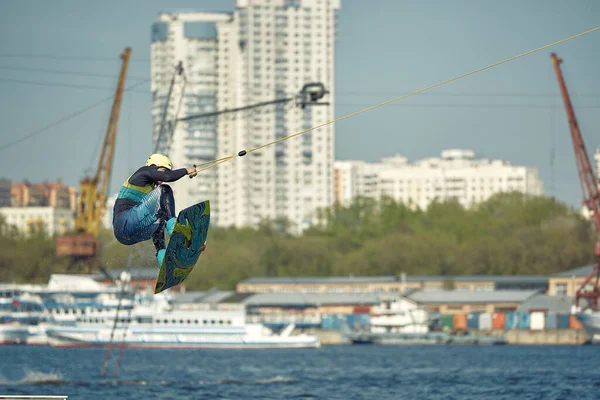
<point x="589" y="187"/>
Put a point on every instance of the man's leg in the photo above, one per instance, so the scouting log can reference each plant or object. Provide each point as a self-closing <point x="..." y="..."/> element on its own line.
<point x="147" y="220"/>
<point x="166" y="213"/>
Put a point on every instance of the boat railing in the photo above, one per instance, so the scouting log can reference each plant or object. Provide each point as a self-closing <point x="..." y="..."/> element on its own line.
<point x="209" y="307"/>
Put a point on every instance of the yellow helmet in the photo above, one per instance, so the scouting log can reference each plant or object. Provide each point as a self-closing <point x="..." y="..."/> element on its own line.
<point x="159" y="160"/>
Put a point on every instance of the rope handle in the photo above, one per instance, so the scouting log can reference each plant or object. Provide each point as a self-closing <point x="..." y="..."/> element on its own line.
<point x="194" y="174"/>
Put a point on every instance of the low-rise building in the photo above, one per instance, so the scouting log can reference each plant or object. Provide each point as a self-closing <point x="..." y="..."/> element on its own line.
<point x="43" y="194"/>
<point x="143" y="279"/>
<point x="567" y="283"/>
<point x="306" y="309"/>
<point x="5" y="192"/>
<point x="457" y="302"/>
<point x="29" y="220"/>
<point x="390" y="284"/>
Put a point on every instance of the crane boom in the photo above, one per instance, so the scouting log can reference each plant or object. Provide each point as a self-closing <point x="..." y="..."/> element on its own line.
<point x="104" y="171"/>
<point x="589" y="186"/>
<point x="93" y="190"/>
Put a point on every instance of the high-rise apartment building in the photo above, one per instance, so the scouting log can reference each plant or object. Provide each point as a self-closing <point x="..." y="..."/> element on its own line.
<point x="264" y="50"/>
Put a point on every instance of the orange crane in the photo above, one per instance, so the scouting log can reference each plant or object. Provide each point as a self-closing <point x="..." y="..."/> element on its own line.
<point x="83" y="245"/>
<point x="589" y="186"/>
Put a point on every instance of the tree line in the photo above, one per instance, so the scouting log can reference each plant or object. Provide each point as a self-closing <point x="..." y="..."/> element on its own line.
<point x="509" y="234"/>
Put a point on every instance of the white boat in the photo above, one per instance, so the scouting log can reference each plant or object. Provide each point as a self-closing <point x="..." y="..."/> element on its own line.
<point x="79" y="313"/>
<point x="198" y="329"/>
<point x="20" y="317"/>
<point x="401" y="321"/>
<point x="590" y="320"/>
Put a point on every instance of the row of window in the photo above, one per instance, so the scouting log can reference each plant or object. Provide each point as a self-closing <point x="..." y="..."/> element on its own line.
<point x="477" y="288"/>
<point x="161" y="321"/>
<point x="193" y="322"/>
<point x="454" y="180"/>
<point x="449" y="189"/>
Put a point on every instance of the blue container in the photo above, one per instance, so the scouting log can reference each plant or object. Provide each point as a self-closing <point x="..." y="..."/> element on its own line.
<point x="352" y="321"/>
<point x="326" y="323"/>
<point x="358" y="320"/>
<point x="562" y="321"/>
<point x="511" y="321"/>
<point x="338" y="320"/>
<point x="473" y="321"/>
<point x="551" y="321"/>
<point x="523" y="320"/>
<point x="331" y="322"/>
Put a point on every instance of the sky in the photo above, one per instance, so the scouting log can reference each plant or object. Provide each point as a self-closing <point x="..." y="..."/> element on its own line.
<point x="512" y="112"/>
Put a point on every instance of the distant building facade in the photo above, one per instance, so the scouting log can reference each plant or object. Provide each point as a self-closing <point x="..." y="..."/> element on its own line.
<point x="142" y="279"/>
<point x="390" y="284"/>
<point x="5" y="190"/>
<point x="454" y="302"/>
<point x="43" y="194"/>
<point x="457" y="175"/>
<point x="597" y="159"/>
<point x="567" y="283"/>
<point x="585" y="211"/>
<point x="263" y="50"/>
<point x="29" y="220"/>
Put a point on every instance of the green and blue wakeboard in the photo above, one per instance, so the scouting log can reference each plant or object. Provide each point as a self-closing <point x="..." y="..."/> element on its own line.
<point x="183" y="249"/>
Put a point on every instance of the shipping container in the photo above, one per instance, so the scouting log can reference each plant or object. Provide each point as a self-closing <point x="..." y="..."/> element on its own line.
<point x="512" y="320"/>
<point x="80" y="245"/>
<point x="365" y="319"/>
<point x="524" y="320"/>
<point x="362" y="309"/>
<point x="574" y="323"/>
<point x="331" y="322"/>
<point x="447" y="321"/>
<point x="536" y="321"/>
<point x="485" y="322"/>
<point x="551" y="320"/>
<point x="499" y="320"/>
<point x="473" y="321"/>
<point x="460" y="321"/>
<point x="357" y="320"/>
<point x="562" y="321"/>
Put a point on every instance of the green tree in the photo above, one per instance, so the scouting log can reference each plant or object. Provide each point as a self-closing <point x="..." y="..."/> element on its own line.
<point x="511" y="233"/>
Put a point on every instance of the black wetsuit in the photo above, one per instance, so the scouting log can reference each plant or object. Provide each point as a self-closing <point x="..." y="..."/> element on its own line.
<point x="143" y="206"/>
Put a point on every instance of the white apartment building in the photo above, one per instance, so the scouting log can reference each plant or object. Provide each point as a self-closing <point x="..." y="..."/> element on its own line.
<point x="189" y="39"/>
<point x="54" y="221"/>
<point x="264" y="50"/>
<point x="585" y="211"/>
<point x="107" y="216"/>
<point x="456" y="175"/>
<point x="597" y="159"/>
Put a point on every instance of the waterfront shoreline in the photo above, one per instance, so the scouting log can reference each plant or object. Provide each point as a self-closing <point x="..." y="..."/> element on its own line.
<point x="548" y="337"/>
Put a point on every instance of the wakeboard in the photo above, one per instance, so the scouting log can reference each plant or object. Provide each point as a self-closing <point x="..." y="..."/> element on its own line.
<point x="183" y="249"/>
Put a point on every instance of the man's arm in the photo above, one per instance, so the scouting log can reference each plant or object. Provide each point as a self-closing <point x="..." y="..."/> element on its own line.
<point x="168" y="176"/>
